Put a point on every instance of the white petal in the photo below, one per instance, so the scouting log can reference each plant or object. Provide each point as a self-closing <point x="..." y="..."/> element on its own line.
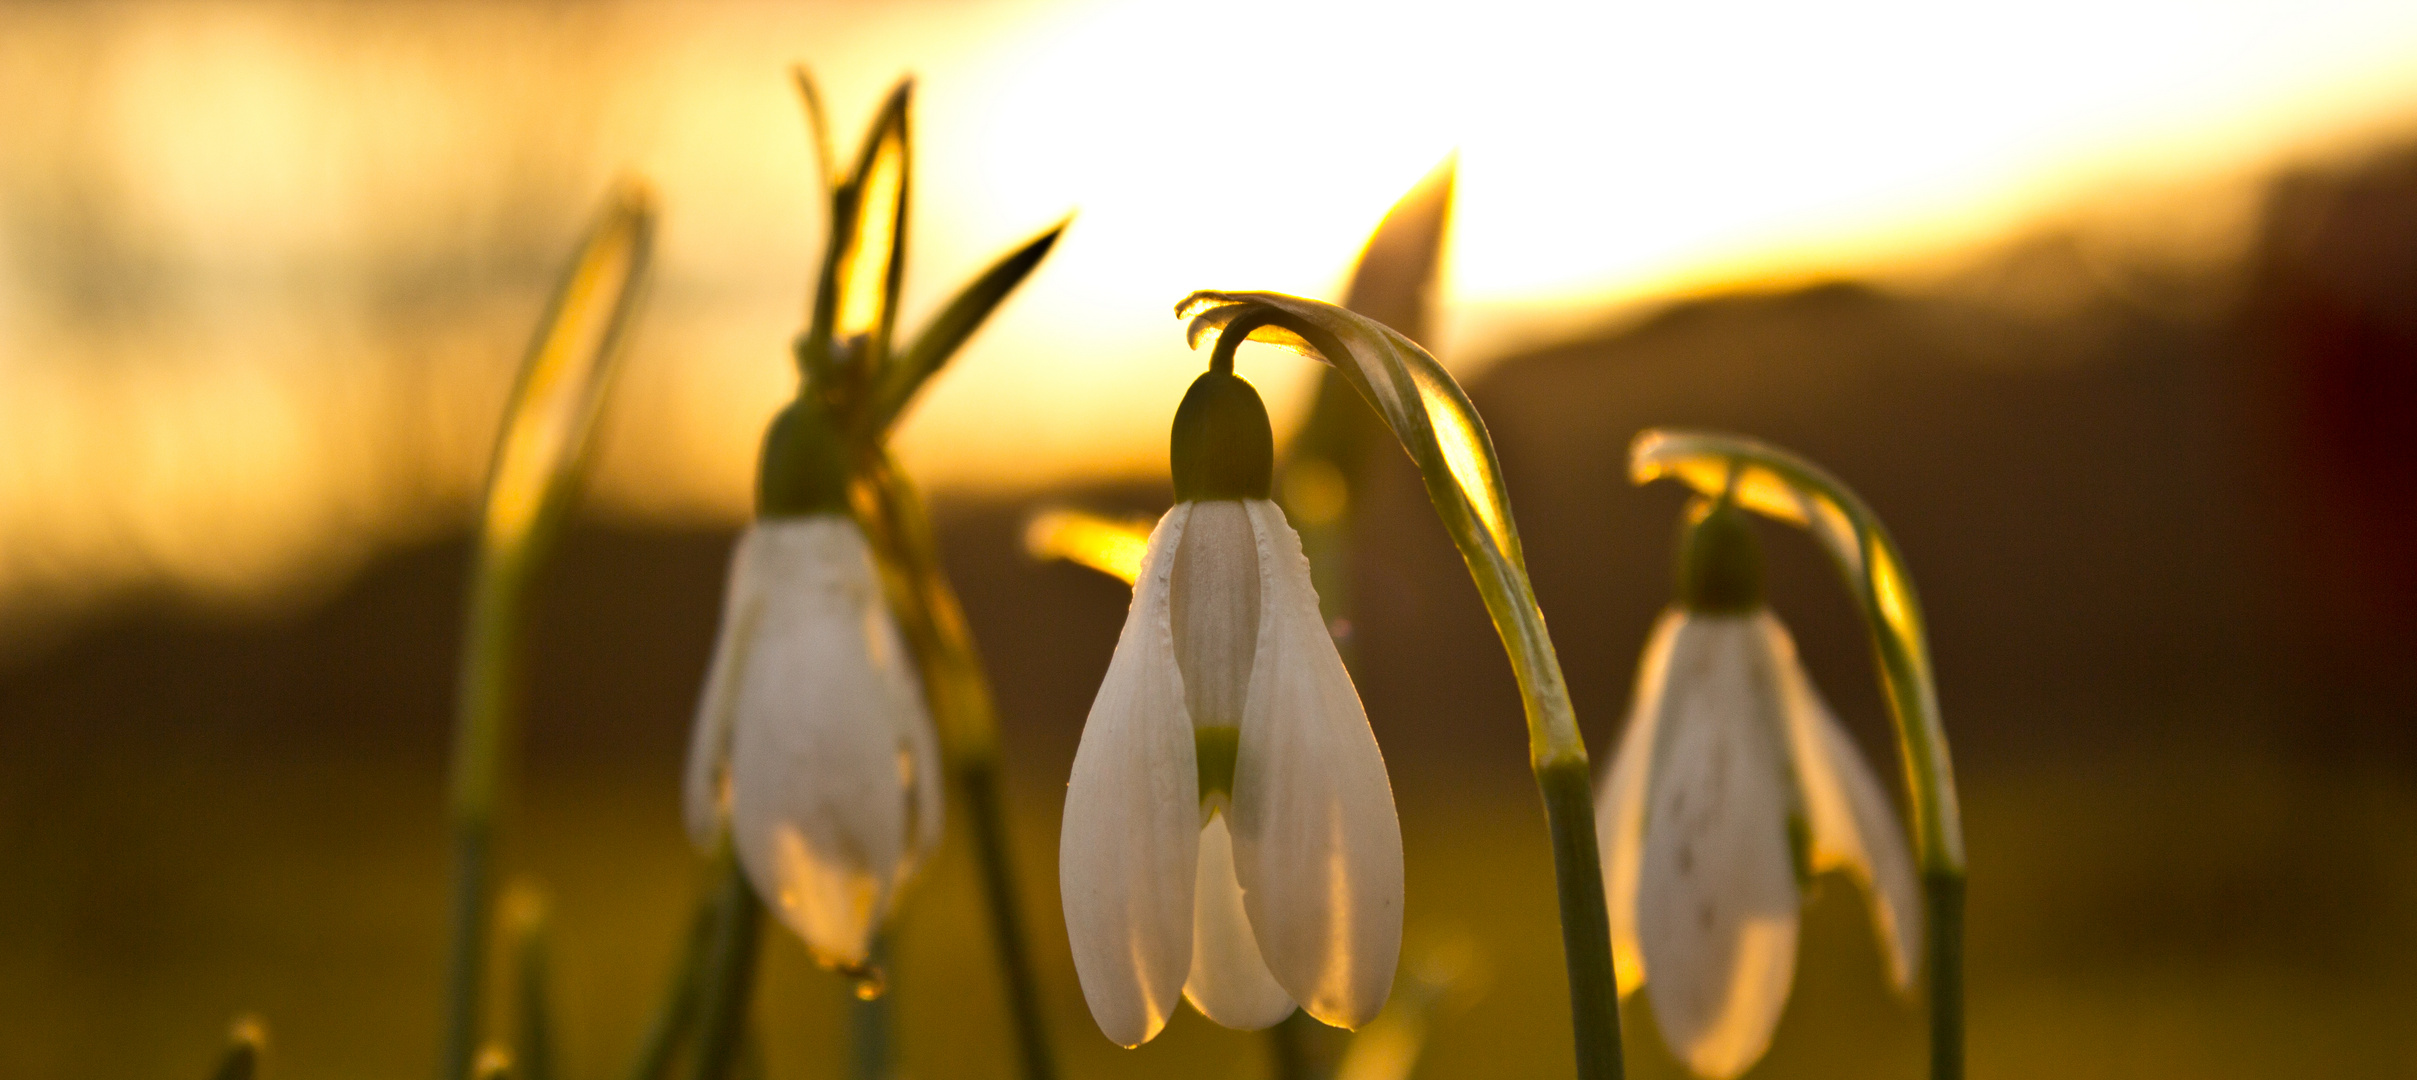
<point x="1129" y="844"/>
<point x="1620" y="802"/>
<point x="1716" y="892"/>
<point x="817" y="804"/>
<point x="709" y="739"/>
<point x="1854" y="827"/>
<point x="1214" y="603"/>
<point x="1229" y="982"/>
<point x="1316" y="843"/>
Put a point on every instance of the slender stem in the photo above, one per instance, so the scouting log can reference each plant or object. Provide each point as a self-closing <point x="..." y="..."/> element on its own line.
<point x="1944" y="892"/>
<point x="484" y="731"/>
<point x="1594" y="992"/>
<point x="728" y="983"/>
<point x="1288" y="1048"/>
<point x="533" y="1022"/>
<point x="979" y="782"/>
<point x="967" y="717"/>
<point x="871" y="1023"/>
<point x="677" y="1014"/>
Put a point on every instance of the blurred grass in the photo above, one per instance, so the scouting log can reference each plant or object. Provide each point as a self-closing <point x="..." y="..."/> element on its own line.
<point x="2221" y="916"/>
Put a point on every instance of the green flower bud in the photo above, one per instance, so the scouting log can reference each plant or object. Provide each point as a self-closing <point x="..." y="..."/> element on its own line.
<point x="1222" y="446"/>
<point x="1719" y="564"/>
<point x="805" y="466"/>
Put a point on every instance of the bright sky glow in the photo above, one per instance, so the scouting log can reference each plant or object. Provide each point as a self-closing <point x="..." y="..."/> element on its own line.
<point x="207" y="365"/>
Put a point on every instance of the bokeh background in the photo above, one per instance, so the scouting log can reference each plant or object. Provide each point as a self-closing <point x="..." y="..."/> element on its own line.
<point x="2110" y="309"/>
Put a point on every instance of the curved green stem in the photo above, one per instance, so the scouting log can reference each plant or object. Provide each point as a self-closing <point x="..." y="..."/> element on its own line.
<point x="1431" y="416"/>
<point x="958" y="691"/>
<point x="1784" y="486"/>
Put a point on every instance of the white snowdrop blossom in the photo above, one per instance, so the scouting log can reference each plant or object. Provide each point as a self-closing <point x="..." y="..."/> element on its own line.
<point x="1733" y="783"/>
<point x="1229" y="830"/>
<point x="813" y="737"/>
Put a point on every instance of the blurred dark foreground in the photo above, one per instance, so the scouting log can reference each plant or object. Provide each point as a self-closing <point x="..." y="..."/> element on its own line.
<point x="2161" y="523"/>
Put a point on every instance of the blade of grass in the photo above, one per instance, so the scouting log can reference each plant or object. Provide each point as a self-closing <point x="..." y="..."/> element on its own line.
<point x="677" y="1014"/>
<point x="537" y="461"/>
<point x="956" y="323"/>
<point x="532" y="1014"/>
<point x="727" y="986"/>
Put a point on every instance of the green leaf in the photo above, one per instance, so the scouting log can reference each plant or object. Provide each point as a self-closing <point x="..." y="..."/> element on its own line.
<point x="1395" y="279"/>
<point x="856" y="302"/>
<point x="1418" y="399"/>
<point x="561" y="386"/>
<point x="956" y="323"/>
<point x="826" y="165"/>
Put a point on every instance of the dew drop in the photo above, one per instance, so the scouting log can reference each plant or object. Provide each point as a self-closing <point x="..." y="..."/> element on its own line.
<point x="870" y="982"/>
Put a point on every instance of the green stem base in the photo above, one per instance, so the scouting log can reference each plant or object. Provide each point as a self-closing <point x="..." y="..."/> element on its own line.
<point x="1594" y="990"/>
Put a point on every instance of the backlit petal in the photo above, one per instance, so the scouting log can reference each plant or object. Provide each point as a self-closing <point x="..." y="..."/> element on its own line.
<point x="1229" y="982"/>
<point x="817" y="806"/>
<point x="1854" y="826"/>
<point x="1716" y="892"/>
<point x="701" y="788"/>
<point x="1620" y="802"/>
<point x="1130" y="841"/>
<point x="1316" y="843"/>
<point x="1214" y="604"/>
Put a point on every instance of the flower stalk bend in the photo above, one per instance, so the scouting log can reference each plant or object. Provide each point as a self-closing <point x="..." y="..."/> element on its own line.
<point x="538" y="458"/>
<point x="1432" y="418"/>
<point x="1781" y="485"/>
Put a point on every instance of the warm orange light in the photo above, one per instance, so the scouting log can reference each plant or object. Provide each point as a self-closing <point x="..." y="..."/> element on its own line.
<point x="1111" y="547"/>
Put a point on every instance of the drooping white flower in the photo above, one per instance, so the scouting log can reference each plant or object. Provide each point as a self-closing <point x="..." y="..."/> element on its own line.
<point x="813" y="736"/>
<point x="1732" y="785"/>
<point x="1229" y="833"/>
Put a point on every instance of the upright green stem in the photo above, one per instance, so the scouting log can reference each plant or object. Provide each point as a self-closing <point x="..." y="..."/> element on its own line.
<point x="485" y="729"/>
<point x="728" y="982"/>
<point x="1288" y="1048"/>
<point x="1944" y="896"/>
<point x="872" y="1023"/>
<point x="959" y="694"/>
<point x="677" y="1013"/>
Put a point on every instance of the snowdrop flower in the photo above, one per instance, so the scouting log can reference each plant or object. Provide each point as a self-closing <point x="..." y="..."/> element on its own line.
<point x="1229" y="830"/>
<point x="812" y="736"/>
<point x="1733" y="785"/>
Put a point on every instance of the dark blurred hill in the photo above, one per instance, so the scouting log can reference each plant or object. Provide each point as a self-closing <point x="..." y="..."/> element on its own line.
<point x="2162" y="526"/>
<point x="2131" y="519"/>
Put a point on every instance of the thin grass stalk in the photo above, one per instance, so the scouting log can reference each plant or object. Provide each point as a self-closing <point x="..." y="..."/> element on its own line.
<point x="1786" y="487"/>
<point x="676" y="1016"/>
<point x="872" y="1021"/>
<point x="958" y="691"/>
<point x="726" y="987"/>
<point x="536" y="465"/>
